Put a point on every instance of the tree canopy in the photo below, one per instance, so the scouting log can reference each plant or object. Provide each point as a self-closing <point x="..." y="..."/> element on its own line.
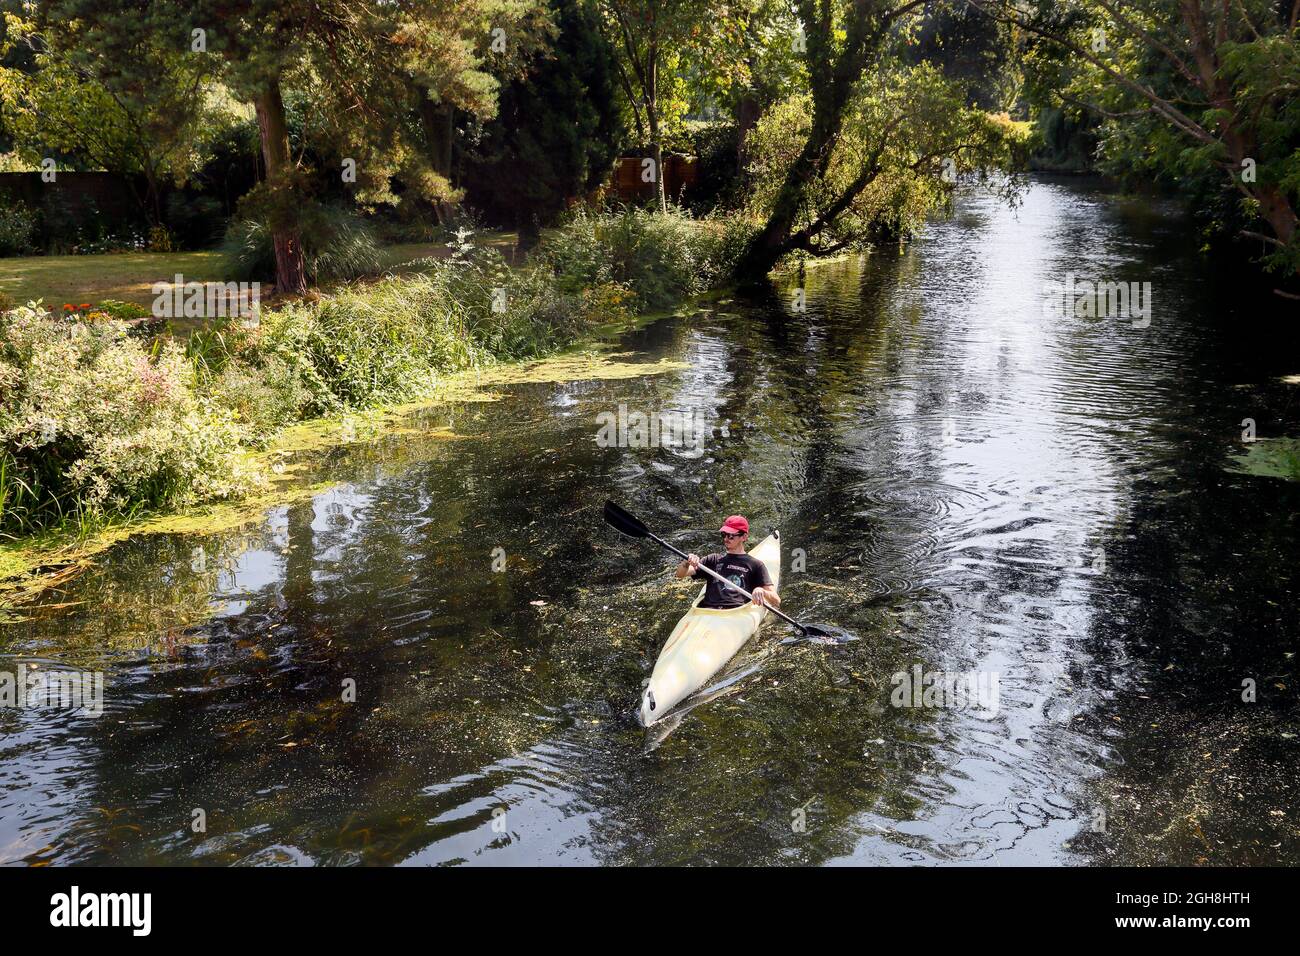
<point x="1186" y="92"/>
<point x="851" y="52"/>
<point x="837" y="121"/>
<point x="125" y="101"/>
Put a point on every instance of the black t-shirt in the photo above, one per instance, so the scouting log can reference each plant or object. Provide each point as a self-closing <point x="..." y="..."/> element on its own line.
<point x="742" y="569"/>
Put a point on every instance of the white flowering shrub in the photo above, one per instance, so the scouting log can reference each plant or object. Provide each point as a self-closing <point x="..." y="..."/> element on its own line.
<point x="262" y="390"/>
<point x="93" y="420"/>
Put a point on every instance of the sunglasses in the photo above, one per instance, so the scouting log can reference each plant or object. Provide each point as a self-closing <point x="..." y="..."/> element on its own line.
<point x="733" y="534"/>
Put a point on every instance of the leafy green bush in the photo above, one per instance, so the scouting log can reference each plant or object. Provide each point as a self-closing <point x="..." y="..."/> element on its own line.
<point x="17" y="229"/>
<point x="337" y="244"/>
<point x="263" y="392"/>
<point x="388" y="340"/>
<point x="365" y="345"/>
<point x="720" y="181"/>
<point x="122" y="311"/>
<point x="93" y="421"/>
<point x="574" y="254"/>
<point x="662" y="258"/>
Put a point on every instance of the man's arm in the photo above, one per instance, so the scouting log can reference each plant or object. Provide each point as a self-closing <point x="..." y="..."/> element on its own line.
<point x="765" y="593"/>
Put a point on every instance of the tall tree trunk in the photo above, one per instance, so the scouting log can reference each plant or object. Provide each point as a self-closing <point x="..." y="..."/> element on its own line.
<point x="290" y="265"/>
<point x="776" y="238"/>
<point x="1240" y="142"/>
<point x="1278" y="213"/>
<point x="145" y="202"/>
<point x="438" y="120"/>
<point x="834" y="76"/>
<point x="748" y="111"/>
<point x="153" y="196"/>
<point x="652" y="118"/>
<point x="657" y="156"/>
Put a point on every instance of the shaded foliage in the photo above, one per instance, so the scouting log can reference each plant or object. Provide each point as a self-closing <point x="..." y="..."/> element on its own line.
<point x="556" y="132"/>
<point x="337" y="245"/>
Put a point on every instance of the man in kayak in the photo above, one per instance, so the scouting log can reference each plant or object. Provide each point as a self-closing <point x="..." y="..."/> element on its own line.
<point x="734" y="565"/>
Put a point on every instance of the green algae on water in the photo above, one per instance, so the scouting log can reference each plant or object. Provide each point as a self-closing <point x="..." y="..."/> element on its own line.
<point x="34" y="565"/>
<point x="1268" y="458"/>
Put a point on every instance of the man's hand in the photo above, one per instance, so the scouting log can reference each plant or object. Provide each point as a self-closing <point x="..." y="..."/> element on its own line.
<point x="687" y="567"/>
<point x="759" y="597"/>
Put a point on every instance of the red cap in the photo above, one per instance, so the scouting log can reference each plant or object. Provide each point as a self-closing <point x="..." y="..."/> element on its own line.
<point x="735" y="523"/>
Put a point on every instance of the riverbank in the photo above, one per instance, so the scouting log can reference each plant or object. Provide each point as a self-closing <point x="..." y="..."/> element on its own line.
<point x="112" y="435"/>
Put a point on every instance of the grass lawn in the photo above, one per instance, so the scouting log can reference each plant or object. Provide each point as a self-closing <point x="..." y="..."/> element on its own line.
<point x="129" y="276"/>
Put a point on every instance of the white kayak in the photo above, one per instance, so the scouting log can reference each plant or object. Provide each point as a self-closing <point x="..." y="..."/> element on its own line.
<point x="703" y="641"/>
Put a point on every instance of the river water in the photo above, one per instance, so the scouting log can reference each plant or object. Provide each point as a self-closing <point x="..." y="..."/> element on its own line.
<point x="967" y="483"/>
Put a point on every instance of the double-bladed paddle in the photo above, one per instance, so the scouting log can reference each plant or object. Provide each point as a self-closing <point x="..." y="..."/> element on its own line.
<point x="632" y="526"/>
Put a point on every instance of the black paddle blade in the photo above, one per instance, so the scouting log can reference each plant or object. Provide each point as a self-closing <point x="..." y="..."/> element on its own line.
<point x="629" y="524"/>
<point x="826" y="634"/>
